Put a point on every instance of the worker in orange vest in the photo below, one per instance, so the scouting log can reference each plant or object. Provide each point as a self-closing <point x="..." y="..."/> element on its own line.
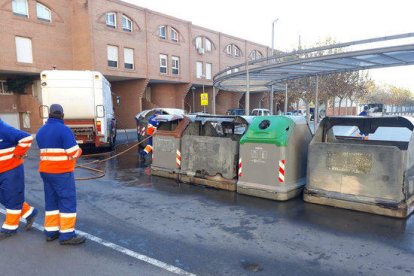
<point x="14" y="144"/>
<point x="151" y="128"/>
<point x="58" y="154"/>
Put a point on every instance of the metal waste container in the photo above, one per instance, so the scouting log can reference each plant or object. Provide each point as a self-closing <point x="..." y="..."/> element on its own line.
<point x="142" y="123"/>
<point x="273" y="155"/>
<point x="371" y="170"/>
<point x="166" y="156"/>
<point x="210" y="151"/>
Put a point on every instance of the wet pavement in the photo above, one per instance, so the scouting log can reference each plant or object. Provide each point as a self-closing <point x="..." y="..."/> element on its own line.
<point x="205" y="231"/>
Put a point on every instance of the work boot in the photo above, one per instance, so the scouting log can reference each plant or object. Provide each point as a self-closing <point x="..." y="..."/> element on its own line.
<point x="30" y="220"/>
<point x="5" y="235"/>
<point x="74" y="241"/>
<point x="52" y="238"/>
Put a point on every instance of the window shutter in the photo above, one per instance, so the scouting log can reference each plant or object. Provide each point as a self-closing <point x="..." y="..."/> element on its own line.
<point x="113" y="53"/>
<point x="24" y="49"/>
<point x="199" y="69"/>
<point x="129" y="56"/>
<point x="208" y="71"/>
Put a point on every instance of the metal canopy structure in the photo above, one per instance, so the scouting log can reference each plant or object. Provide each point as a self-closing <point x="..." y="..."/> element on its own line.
<point x="259" y="75"/>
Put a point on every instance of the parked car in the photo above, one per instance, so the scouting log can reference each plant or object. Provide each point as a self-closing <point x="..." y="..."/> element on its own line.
<point x="235" y="111"/>
<point x="260" y="112"/>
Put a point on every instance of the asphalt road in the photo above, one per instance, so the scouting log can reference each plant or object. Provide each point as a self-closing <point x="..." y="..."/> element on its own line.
<point x="205" y="231"/>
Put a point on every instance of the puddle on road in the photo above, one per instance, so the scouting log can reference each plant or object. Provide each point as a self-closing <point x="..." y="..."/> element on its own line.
<point x="252" y="267"/>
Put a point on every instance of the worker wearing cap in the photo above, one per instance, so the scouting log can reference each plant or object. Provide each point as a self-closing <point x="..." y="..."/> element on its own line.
<point x="365" y="111"/>
<point x="58" y="153"/>
<point x="14" y="144"/>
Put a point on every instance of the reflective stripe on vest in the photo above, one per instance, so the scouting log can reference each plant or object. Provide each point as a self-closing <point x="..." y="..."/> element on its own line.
<point x="25" y="142"/>
<point x="8" y="160"/>
<point x="150" y="129"/>
<point x="57" y="160"/>
<point x="148" y="149"/>
<point x="6" y="154"/>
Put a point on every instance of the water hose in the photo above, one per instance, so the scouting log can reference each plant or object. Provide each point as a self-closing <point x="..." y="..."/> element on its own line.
<point x="101" y="173"/>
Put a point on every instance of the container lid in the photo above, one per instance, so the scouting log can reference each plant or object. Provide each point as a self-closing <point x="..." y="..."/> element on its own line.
<point x="168" y="118"/>
<point x="170" y="111"/>
<point x="270" y="130"/>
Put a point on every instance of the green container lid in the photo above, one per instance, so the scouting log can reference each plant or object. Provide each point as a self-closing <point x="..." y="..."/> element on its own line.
<point x="269" y="130"/>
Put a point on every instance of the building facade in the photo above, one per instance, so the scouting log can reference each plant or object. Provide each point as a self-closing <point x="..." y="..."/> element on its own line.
<point x="151" y="59"/>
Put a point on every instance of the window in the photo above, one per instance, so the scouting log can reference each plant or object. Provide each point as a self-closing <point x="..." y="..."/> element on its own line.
<point x="163" y="64"/>
<point x="199" y="67"/>
<point x="232" y="50"/>
<point x="208" y="71"/>
<point x="235" y="70"/>
<point x="24" y="49"/>
<point x="203" y="44"/>
<point x="129" y="58"/>
<point x="3" y="88"/>
<point x="208" y="45"/>
<point x="26" y="120"/>
<point x="175" y="65"/>
<point x="199" y="42"/>
<point x="163" y="32"/>
<point x="228" y="49"/>
<point x="255" y="54"/>
<point x="174" y="35"/>
<point x="236" y="51"/>
<point x="20" y="7"/>
<point x="43" y="12"/>
<point x="228" y="72"/>
<point x="111" y="19"/>
<point x="126" y="24"/>
<point x="112" y="56"/>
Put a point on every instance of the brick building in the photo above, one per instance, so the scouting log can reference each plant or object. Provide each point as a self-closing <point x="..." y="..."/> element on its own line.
<point x="151" y="59"/>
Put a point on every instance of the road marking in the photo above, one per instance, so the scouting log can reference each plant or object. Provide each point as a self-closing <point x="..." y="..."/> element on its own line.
<point x="122" y="250"/>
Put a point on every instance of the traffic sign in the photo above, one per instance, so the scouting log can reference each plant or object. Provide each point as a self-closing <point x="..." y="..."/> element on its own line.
<point x="204" y="99"/>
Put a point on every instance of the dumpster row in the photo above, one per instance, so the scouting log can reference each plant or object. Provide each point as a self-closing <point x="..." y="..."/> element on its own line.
<point x="276" y="157"/>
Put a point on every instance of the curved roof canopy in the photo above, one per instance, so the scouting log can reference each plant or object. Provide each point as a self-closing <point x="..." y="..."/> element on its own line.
<point x="389" y="51"/>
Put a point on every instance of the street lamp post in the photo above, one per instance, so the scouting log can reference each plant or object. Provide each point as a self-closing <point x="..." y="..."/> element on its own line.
<point x="273" y="52"/>
<point x="286" y="98"/>
<point x="273" y="35"/>
<point x="203" y="77"/>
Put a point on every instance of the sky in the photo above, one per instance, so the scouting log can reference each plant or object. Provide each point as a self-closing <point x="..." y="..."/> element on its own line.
<point x="312" y="20"/>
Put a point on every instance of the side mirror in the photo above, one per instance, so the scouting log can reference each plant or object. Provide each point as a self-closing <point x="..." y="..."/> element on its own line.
<point x="44" y="111"/>
<point x="118" y="100"/>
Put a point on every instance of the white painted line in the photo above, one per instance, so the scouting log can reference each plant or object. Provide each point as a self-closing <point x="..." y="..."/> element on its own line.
<point x="122" y="250"/>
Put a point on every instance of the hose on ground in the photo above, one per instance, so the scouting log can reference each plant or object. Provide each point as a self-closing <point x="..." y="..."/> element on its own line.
<point x="101" y="173"/>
